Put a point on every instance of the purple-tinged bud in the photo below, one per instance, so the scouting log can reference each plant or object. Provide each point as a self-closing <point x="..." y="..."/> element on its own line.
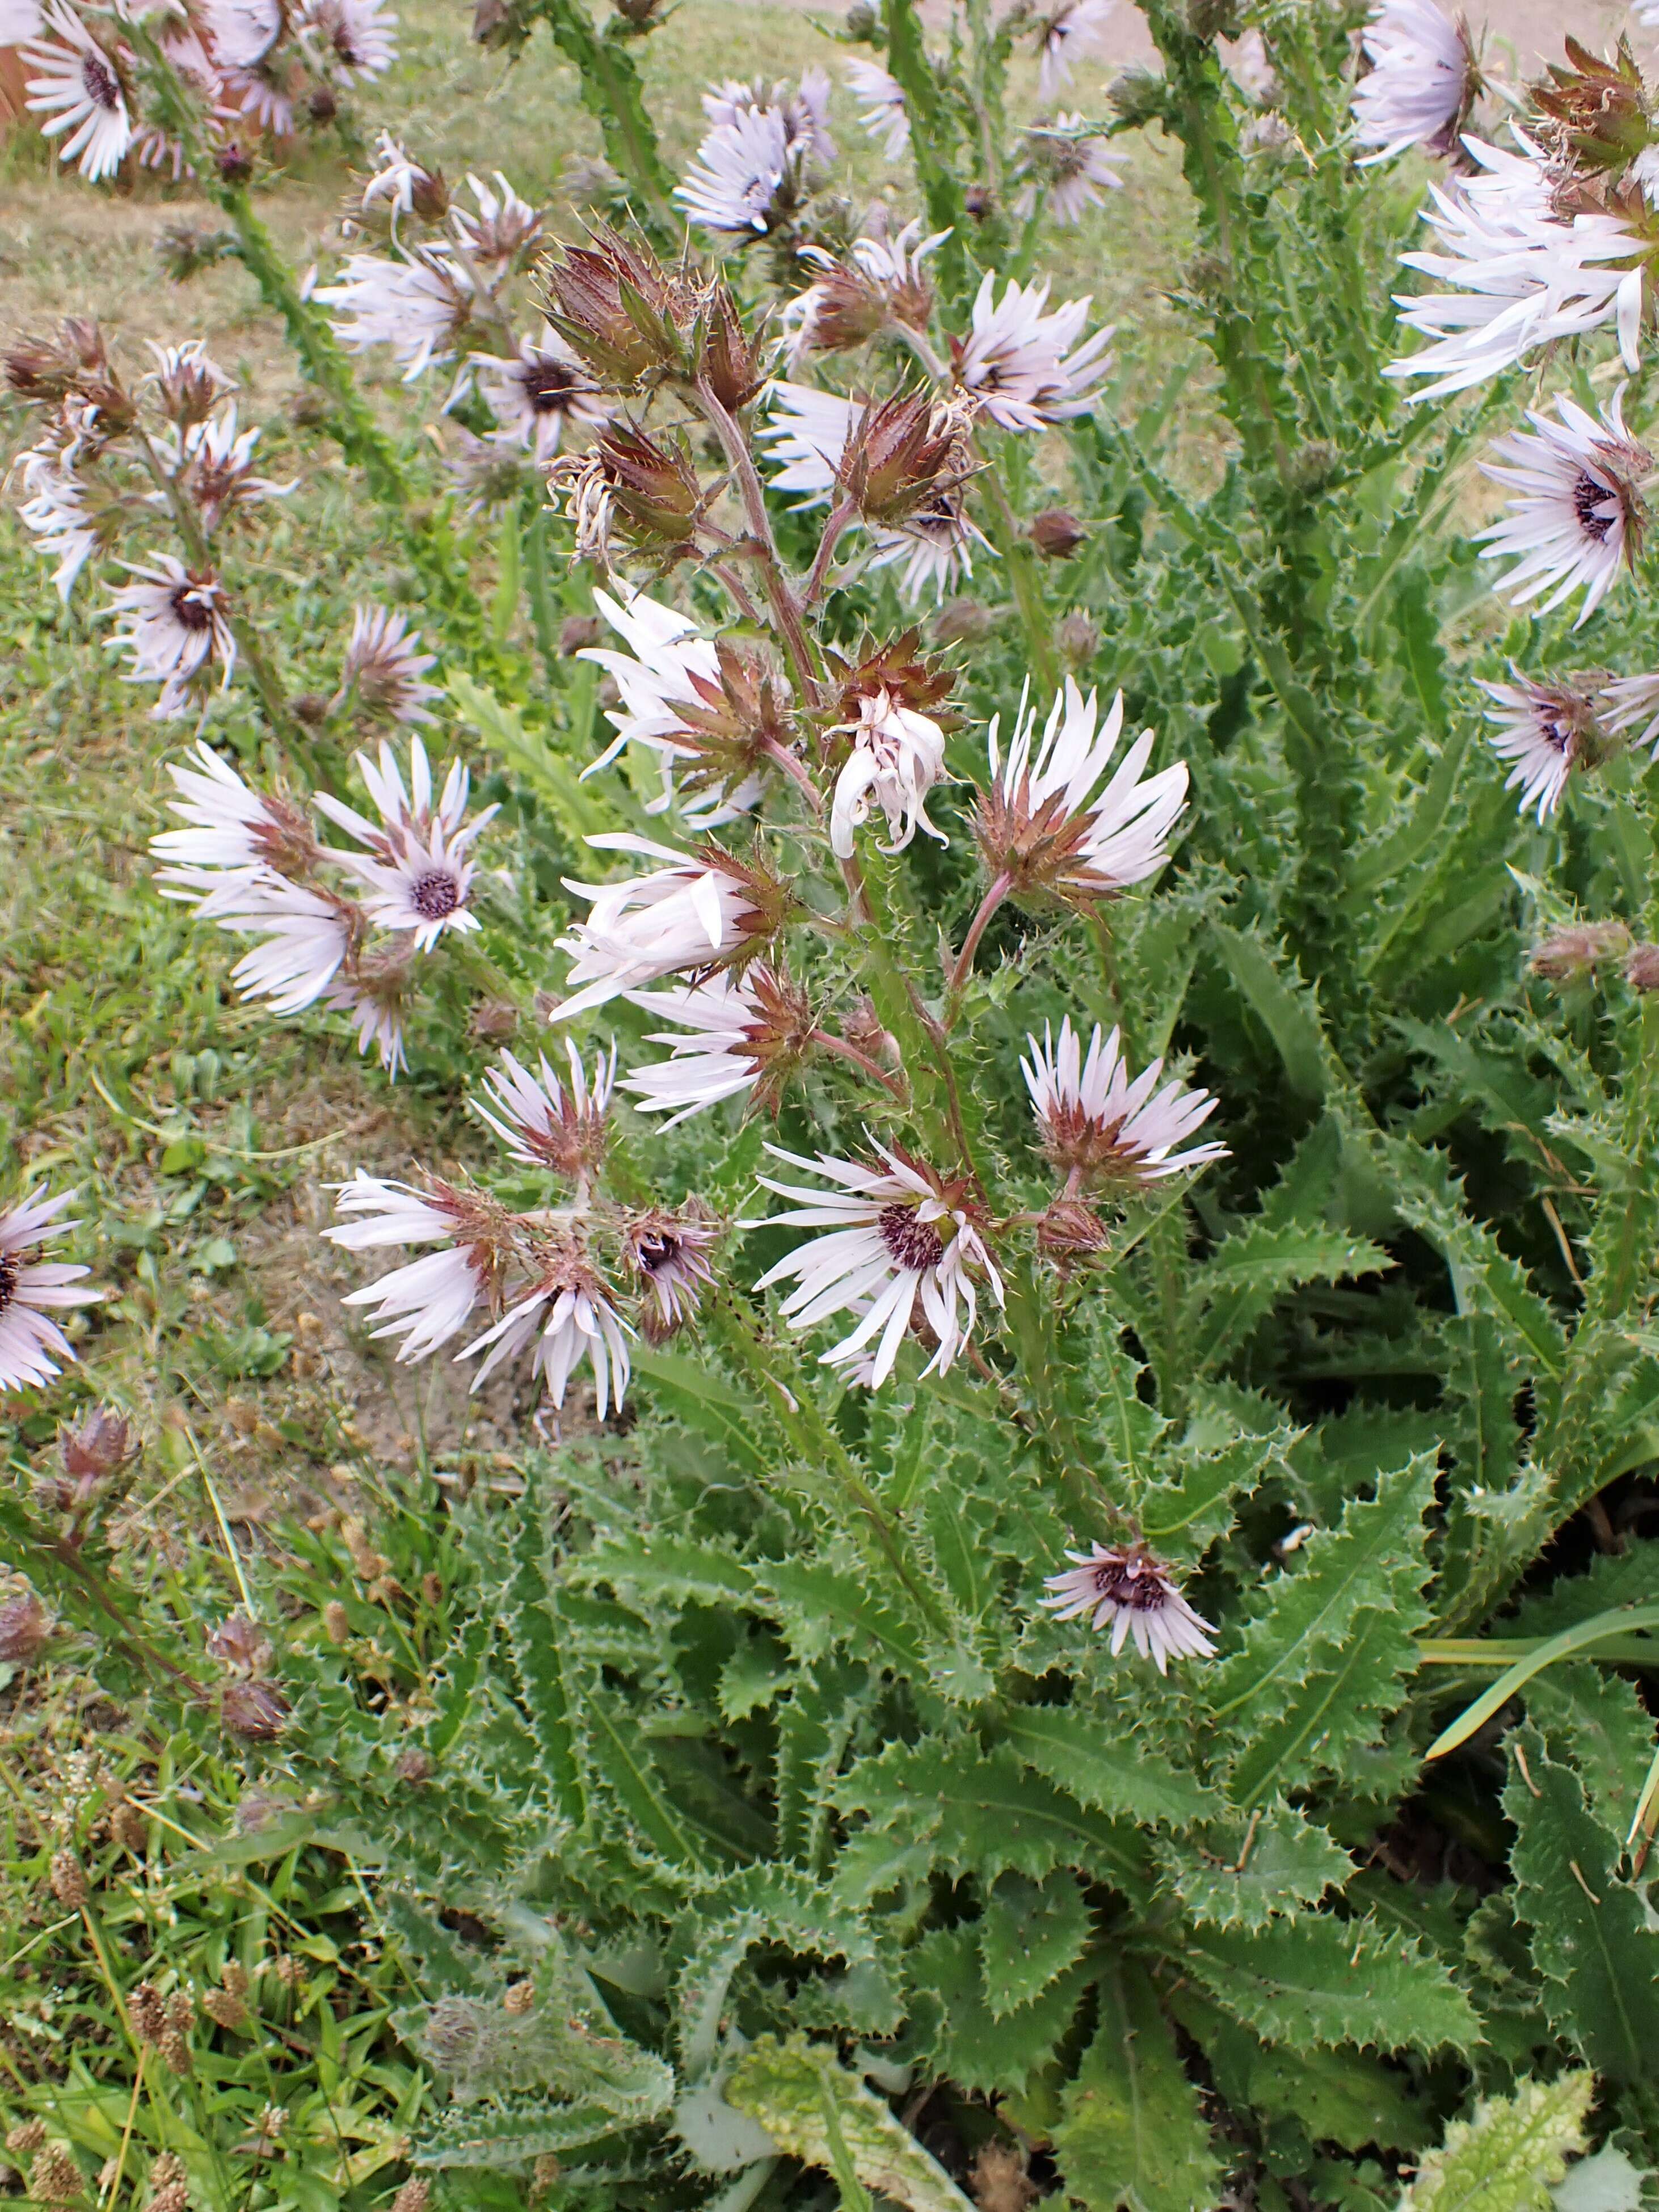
<point x="25" y="1628"/>
<point x="1078" y="637"/>
<point x="102" y="1444"/>
<point x="729" y="363"/>
<point x="234" y="162"/>
<point x="257" y="1711"/>
<point x="980" y="201"/>
<point x="1642" y="968"/>
<point x="240" y="1645"/>
<point x="1057" y="533"/>
<point x="321" y="106"/>
<point x="962" y="621"/>
<point x="1575" y="950"/>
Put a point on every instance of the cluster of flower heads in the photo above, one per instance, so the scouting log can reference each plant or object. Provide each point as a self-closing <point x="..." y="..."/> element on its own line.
<point x="1543" y="240"/>
<point x="111" y="460"/>
<point x="347" y="927"/>
<point x="249" y="68"/>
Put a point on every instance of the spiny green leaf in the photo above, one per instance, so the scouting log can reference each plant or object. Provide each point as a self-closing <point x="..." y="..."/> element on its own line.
<point x="1243" y="1872"/>
<point x="1506" y="2159"/>
<point x="797" y="2088"/>
<point x="1343" y="2096"/>
<point x="513" y="2133"/>
<point x="1030" y="1932"/>
<point x="1318" y="1979"/>
<point x="954" y="2028"/>
<point x="1088" y="1753"/>
<point x="1130" y="2133"/>
<point x="1254" y="1265"/>
<point x="764" y="1904"/>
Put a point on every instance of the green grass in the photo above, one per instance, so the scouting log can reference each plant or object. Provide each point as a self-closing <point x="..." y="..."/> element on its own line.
<point x="202" y="1136"/>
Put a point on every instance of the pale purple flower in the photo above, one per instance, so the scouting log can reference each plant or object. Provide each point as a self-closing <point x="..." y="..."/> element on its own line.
<point x="214" y="465"/>
<point x="741" y="171"/>
<point x="258" y="94"/>
<point x="688" y="913"/>
<point x="805" y="112"/>
<point x="544" y="1123"/>
<point x="398" y="178"/>
<point x="882" y="282"/>
<point x="1628" y="700"/>
<point x="31" y="1341"/>
<point x="1543" y="731"/>
<point x="658" y="679"/>
<point x="384" y="671"/>
<point x="883" y="112"/>
<point x="416" y="867"/>
<point x="78" y="83"/>
<point x="716" y="1058"/>
<point x="303" y="934"/>
<point x="431" y="1299"/>
<point x="1075" y="28"/>
<point x="1579" y="514"/>
<point x="174" y="622"/>
<point x="1067" y="168"/>
<point x="1096" y="1122"/>
<point x="373" y="997"/>
<point x="242" y="32"/>
<point x="228" y="824"/>
<point x="895" y="1235"/>
<point x="352" y="40"/>
<point x="416" y="305"/>
<point x="60" y="515"/>
<point x="1024" y="366"/>
<point x="188" y="382"/>
<point x="539" y="394"/>
<point x="1127" y="1588"/>
<point x="568" y="1316"/>
<point x="1520" y="278"/>
<point x="1421" y="81"/>
<point x="898" y="756"/>
<point x="502" y="230"/>
<point x="668" y="1253"/>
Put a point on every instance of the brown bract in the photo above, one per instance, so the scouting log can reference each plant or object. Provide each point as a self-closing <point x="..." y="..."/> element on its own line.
<point x="728" y="363"/>
<point x="909" y="677"/>
<point x="901" y="454"/>
<point x="1038" y="846"/>
<point x="653" y="487"/>
<point x="1595" y="114"/>
<point x="738" y="725"/>
<point x="1575" y="951"/>
<point x="619" y="309"/>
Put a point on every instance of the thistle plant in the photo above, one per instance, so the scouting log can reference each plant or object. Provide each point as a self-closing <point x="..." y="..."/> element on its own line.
<point x="1072" y="1224"/>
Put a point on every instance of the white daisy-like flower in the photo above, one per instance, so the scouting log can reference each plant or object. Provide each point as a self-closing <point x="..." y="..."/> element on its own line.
<point x="1127" y="1588"/>
<point x="31" y="1341"/>
<point x="544" y="1123"/>
<point x="60" y="517"/>
<point x="242" y="32"/>
<point x="1579" y="514"/>
<point x="895" y="1235"/>
<point x="353" y="40"/>
<point x="383" y="672"/>
<point x="417" y="305"/>
<point x="504" y="228"/>
<point x="431" y="1299"/>
<point x="898" y="756"/>
<point x="1545" y="730"/>
<point x="743" y="171"/>
<point x="538" y="395"/>
<point x="931" y="548"/>
<point x="1626" y="701"/>
<point x="174" y="622"/>
<point x="805" y="112"/>
<point x="1519" y="277"/>
<point x="228" y="824"/>
<point x="882" y="282"/>
<point x="398" y="178"/>
<point x="1075" y="28"/>
<point x="738" y="1037"/>
<point x="568" y="1316"/>
<point x="1068" y="169"/>
<point x="1053" y="824"/>
<point x="78" y="83"/>
<point x="1422" y="79"/>
<point x="373" y="997"/>
<point x="260" y="96"/>
<point x="688" y="913"/>
<point x="1096" y="1122"/>
<point x="1024" y="367"/>
<point x="20" y="21"/>
<point x="304" y="935"/>
<point x="214" y="463"/>
<point x="882" y="111"/>
<point x="416" y="868"/>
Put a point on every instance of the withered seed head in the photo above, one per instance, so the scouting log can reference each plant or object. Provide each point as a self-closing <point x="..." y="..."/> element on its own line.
<point x="24" y="1628"/>
<point x="727" y="360"/>
<point x="1056" y="533"/>
<point x="255" y="1711"/>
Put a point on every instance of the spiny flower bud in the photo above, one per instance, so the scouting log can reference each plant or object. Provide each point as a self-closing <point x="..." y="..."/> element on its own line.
<point x="1070" y="1230"/>
<point x="1138" y="95"/>
<point x="1642" y="968"/>
<point x="255" y="1711"/>
<point x="412" y="1766"/>
<point x="618" y="309"/>
<point x="1057" y="533"/>
<point x="861" y="24"/>
<point x="1575" y="950"/>
<point x="900" y="453"/>
<point x="1596" y="113"/>
<point x="728" y="361"/>
<point x="638" y="15"/>
<point x="653" y="487"/>
<point x="69" y="1881"/>
<point x="1212" y="19"/>
<point x="101" y="1445"/>
<point x="962" y="621"/>
<point x="24" y="1628"/>
<point x="234" y="162"/>
<point x="184" y="250"/>
<point x="49" y="369"/>
<point x="240" y="1645"/>
<point x="321" y="105"/>
<point x="1077" y="636"/>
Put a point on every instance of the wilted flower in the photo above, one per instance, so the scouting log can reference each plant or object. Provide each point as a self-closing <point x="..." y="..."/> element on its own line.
<point x="406" y="185"/>
<point x="31" y="1342"/>
<point x="747" y="1034"/>
<point x="78" y="84"/>
<point x="1521" y="278"/>
<point x="702" y="913"/>
<point x="1578" y="950"/>
<point x="1098" y="1125"/>
<point x="174" y="624"/>
<point x="882" y="111"/>
<point x="668" y="1253"/>
<point x="355" y="40"/>
<point x="1046" y="824"/>
<point x="383" y="676"/>
<point x="1580" y="513"/>
<point x="213" y="465"/>
<point x="1422" y="83"/>
<point x="897" y="756"/>
<point x="569" y="1314"/>
<point x="1546" y="730"/>
<point x="672" y="687"/>
<point x="187" y="382"/>
<point x="538" y="395"/>
<point x="1024" y="367"/>
<point x="373" y="995"/>
<point x="882" y="282"/>
<point x="1076" y="27"/>
<point x="896" y="1234"/>
<point x="543" y="1124"/>
<point x="430" y="1300"/>
<point x="1067" y="169"/>
<point x="1129" y="1588"/>
<point x="414" y="866"/>
<point x="1624" y="701"/>
<point x="504" y="228"/>
<point x="257" y="1711"/>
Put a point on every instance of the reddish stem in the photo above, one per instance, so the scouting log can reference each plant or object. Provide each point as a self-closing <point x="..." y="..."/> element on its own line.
<point x="964" y="963"/>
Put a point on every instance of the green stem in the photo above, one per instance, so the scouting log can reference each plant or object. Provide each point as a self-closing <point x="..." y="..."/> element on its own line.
<point x="612" y="95"/>
<point x="1020" y="562"/>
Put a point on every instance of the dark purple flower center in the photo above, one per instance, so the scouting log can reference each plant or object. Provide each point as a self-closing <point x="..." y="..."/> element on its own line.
<point x="1588" y="496"/>
<point x="99" y="80"/>
<point x="655" y="1251"/>
<point x="1130" y="1582"/>
<point x="549" y="385"/>
<point x="192" y="607"/>
<point x="435" y="895"/>
<point x="912" y="1242"/>
<point x="1556" y="730"/>
<point x="7" y="1280"/>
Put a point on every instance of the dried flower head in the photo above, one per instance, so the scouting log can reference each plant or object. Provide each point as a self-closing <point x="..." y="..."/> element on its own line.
<point x="257" y="1711"/>
<point x="619" y="310"/>
<point x="240" y="1646"/>
<point x="1578" y="950"/>
<point x="881" y="284"/>
<point x="69" y="1881"/>
<point x="51" y="369"/>
<point x="25" y="1628"/>
<point x="1127" y="1588"/>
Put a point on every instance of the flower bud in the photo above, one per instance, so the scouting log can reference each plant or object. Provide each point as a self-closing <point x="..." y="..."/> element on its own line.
<point x="234" y="162"/>
<point x="1056" y="533"/>
<point x="1314" y="467"/>
<point x="321" y="106"/>
<point x="1642" y="968"/>
<point x="1138" y="95"/>
<point x="653" y="488"/>
<point x="617" y="308"/>
<point x="25" y="1628"/>
<point x="962" y="621"/>
<point x="493" y="24"/>
<point x="101" y="1445"/>
<point x="728" y="361"/>
<point x="578" y="632"/>
<point x="980" y="201"/>
<point x="1575" y="950"/>
<point x="257" y="1711"/>
<point x="184" y="251"/>
<point x="240" y="1645"/>
<point x="1078" y="638"/>
<point x="861" y="24"/>
<point x="900" y="453"/>
<point x="1070" y="1230"/>
<point x="1597" y="113"/>
<point x="638" y="15"/>
<point x="1212" y="19"/>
